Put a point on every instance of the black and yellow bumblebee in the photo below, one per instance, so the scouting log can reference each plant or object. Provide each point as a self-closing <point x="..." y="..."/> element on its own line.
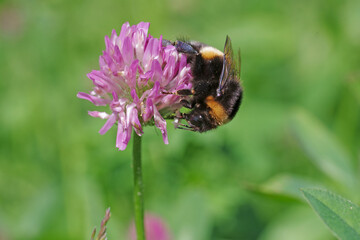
<point x="216" y="94"/>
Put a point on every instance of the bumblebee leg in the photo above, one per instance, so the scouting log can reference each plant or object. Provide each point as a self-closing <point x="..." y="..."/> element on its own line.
<point x="185" y="127"/>
<point x="183" y="92"/>
<point x="185" y="47"/>
<point x="187" y="104"/>
<point x="166" y="92"/>
<point x="170" y="117"/>
<point x="179" y="115"/>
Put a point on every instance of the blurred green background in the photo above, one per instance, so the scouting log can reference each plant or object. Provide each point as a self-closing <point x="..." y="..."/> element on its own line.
<point x="298" y="126"/>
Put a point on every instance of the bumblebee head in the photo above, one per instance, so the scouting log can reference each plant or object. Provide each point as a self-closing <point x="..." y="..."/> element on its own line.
<point x="199" y="120"/>
<point x="196" y="119"/>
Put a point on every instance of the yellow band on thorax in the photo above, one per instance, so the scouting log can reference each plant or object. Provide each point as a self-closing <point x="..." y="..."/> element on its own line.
<point x="209" y="53"/>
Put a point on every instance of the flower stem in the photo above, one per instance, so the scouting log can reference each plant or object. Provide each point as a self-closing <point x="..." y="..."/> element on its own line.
<point x="138" y="188"/>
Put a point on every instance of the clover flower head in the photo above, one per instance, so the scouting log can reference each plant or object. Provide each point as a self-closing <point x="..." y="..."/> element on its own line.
<point x="155" y="228"/>
<point x="136" y="73"/>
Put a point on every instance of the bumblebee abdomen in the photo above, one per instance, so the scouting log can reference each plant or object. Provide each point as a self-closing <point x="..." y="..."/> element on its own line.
<point x="232" y="97"/>
<point x="217" y="110"/>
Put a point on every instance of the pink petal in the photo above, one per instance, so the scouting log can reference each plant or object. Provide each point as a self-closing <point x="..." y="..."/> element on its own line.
<point x="102" y="115"/>
<point x="117" y="57"/>
<point x="168" y="100"/>
<point x="169" y="51"/>
<point x="170" y="69"/>
<point x="138" y="42"/>
<point x="157" y="71"/>
<point x="161" y="124"/>
<point x="156" y="48"/>
<point x="135" y="97"/>
<point x="145" y="95"/>
<point x="160" y="42"/>
<point x="118" y="105"/>
<point x="109" y="123"/>
<point x="155" y="91"/>
<point x="127" y="51"/>
<point x="123" y="134"/>
<point x="108" y="45"/>
<point x="144" y="26"/>
<point x="108" y="60"/>
<point x="132" y="118"/>
<point x="125" y="30"/>
<point x="115" y="96"/>
<point x="182" y="61"/>
<point x="152" y="51"/>
<point x="103" y="82"/>
<point x="147" y="58"/>
<point x="146" y="75"/>
<point x="144" y="78"/>
<point x="97" y="101"/>
<point x="113" y="37"/>
<point x="149" y="110"/>
<point x="130" y="74"/>
<point x="103" y="64"/>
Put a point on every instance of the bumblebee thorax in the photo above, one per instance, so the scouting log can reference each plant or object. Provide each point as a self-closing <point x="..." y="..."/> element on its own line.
<point x="208" y="53"/>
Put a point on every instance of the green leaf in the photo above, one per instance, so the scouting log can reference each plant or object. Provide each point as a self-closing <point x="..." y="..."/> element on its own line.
<point x="340" y="215"/>
<point x="284" y="186"/>
<point x="323" y="149"/>
<point x="295" y="223"/>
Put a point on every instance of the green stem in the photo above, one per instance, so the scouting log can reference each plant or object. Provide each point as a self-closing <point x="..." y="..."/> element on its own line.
<point x="138" y="188"/>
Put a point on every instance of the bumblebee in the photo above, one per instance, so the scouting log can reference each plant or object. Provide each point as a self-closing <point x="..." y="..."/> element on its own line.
<point x="216" y="94"/>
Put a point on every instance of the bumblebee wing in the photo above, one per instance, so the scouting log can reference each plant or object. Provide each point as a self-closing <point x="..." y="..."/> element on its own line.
<point x="229" y="66"/>
<point x="238" y="65"/>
